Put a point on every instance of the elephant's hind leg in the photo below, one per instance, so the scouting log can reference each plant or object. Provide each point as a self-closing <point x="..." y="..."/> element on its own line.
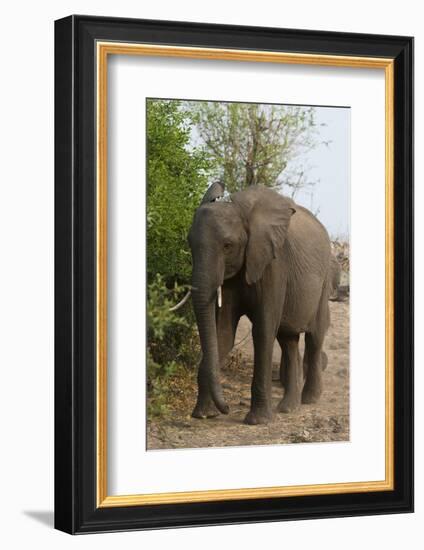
<point x="324" y="362"/>
<point x="292" y="373"/>
<point x="315" y="359"/>
<point x="281" y="375"/>
<point x="313" y="382"/>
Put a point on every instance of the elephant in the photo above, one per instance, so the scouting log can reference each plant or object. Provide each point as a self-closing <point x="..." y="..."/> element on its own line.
<point x="334" y="275"/>
<point x="261" y="255"/>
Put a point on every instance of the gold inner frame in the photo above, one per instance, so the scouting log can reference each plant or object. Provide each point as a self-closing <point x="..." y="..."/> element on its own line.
<point x="104" y="49"/>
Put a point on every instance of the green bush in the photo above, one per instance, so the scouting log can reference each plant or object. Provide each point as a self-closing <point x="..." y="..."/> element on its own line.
<point x="177" y="178"/>
<point x="163" y="325"/>
<point x="173" y="347"/>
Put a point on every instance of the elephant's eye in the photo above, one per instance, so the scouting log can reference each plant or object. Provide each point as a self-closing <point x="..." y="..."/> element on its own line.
<point x="227" y="246"/>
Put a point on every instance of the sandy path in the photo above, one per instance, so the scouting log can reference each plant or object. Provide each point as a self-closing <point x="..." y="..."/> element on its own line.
<point x="327" y="420"/>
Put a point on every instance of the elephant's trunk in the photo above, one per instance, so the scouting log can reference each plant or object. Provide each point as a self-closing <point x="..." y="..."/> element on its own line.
<point x="204" y="303"/>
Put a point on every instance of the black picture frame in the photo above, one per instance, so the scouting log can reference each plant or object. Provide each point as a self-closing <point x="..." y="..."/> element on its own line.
<point x="76" y="509"/>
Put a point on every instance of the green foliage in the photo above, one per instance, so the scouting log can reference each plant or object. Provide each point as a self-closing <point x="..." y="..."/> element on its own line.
<point x="172" y="335"/>
<point x="253" y="143"/>
<point x="160" y="300"/>
<point x="172" y="343"/>
<point x="158" y="384"/>
<point x="177" y="179"/>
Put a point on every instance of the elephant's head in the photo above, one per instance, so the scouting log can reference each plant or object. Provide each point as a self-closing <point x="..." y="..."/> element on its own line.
<point x="240" y="236"/>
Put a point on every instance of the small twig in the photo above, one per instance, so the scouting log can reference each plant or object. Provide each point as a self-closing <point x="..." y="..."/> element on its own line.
<point x="242" y="340"/>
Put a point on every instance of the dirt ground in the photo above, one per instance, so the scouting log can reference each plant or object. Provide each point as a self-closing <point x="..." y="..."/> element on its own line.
<point x="327" y="420"/>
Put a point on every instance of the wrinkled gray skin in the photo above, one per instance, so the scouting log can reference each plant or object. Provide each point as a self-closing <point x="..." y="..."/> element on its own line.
<point x="272" y="258"/>
<point x="334" y="276"/>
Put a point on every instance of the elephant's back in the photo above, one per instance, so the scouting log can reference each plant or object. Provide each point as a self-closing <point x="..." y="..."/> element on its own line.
<point x="308" y="242"/>
<point x="303" y="221"/>
<point x="307" y="253"/>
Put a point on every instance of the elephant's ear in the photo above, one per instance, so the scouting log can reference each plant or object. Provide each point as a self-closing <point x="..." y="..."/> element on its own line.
<point x="268" y="215"/>
<point x="215" y="191"/>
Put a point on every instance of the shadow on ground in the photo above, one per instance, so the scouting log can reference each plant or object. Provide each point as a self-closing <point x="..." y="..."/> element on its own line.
<point x="46" y="517"/>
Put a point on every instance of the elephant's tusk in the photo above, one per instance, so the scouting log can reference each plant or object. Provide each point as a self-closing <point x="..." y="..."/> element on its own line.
<point x="219" y="291"/>
<point x="180" y="304"/>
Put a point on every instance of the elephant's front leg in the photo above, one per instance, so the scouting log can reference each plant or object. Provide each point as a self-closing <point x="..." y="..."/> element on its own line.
<point x="261" y="404"/>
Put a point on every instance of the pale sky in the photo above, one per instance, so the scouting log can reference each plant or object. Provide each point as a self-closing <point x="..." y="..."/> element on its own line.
<point x="329" y="166"/>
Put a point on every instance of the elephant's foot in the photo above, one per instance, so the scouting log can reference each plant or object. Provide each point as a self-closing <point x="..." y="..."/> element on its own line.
<point x="258" y="416"/>
<point x="289" y="403"/>
<point x="205" y="410"/>
<point x="311" y="394"/>
<point x="324" y="360"/>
